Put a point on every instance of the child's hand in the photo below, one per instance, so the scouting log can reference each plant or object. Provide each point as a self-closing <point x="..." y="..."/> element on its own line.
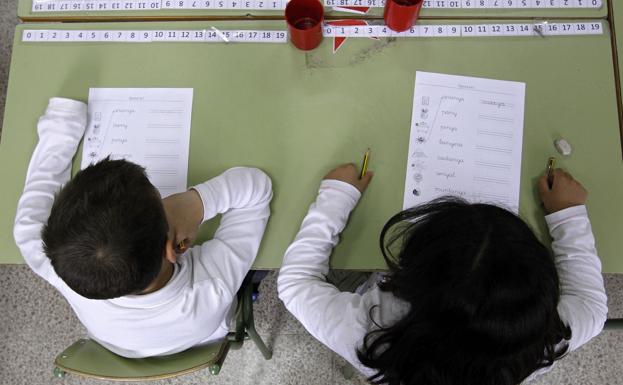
<point x="564" y="193"/>
<point x="184" y="213"/>
<point x="348" y="173"/>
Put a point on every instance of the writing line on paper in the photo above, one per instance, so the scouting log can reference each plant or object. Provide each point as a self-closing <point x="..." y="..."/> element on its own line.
<point x="147" y="126"/>
<point x="466" y="140"/>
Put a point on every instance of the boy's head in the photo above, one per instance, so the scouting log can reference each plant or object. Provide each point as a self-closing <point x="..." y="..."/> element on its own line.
<point x="482" y="294"/>
<point x="107" y="231"/>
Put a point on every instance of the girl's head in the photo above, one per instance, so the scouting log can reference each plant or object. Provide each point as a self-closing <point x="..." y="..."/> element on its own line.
<point x="482" y="291"/>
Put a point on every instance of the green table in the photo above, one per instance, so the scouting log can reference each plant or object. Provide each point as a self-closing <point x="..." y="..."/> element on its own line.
<point x="25" y="13"/>
<point x="296" y="115"/>
<point x="617" y="19"/>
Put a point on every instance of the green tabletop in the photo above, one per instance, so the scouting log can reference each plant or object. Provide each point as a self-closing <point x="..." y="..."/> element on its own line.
<point x="296" y="115"/>
<point x="25" y="13"/>
<point x="617" y="16"/>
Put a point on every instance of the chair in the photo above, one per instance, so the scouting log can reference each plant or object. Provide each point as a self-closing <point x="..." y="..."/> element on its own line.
<point x="87" y="358"/>
<point x="614" y="324"/>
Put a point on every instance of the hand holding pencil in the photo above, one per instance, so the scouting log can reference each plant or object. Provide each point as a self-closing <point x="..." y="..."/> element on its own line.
<point x="348" y="173"/>
<point x="558" y="191"/>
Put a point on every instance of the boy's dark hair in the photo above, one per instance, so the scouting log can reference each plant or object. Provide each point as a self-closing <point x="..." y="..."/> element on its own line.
<point x="483" y="295"/>
<point x="107" y="231"/>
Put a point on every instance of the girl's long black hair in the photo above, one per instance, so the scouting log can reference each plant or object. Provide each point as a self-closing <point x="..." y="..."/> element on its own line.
<point x="482" y="294"/>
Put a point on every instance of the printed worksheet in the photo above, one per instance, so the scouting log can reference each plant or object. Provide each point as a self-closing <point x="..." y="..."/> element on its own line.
<point x="147" y="126"/>
<point x="466" y="139"/>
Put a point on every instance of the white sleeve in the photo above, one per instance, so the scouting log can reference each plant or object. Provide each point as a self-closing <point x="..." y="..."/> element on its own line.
<point x="60" y="130"/>
<point x="583" y="302"/>
<point x="337" y="319"/>
<point x="243" y="196"/>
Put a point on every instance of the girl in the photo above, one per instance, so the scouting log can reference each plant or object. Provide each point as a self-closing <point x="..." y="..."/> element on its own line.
<point x="471" y="297"/>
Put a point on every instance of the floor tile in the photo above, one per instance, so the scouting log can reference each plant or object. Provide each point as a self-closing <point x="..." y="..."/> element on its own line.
<point x="271" y="316"/>
<point x="598" y="362"/>
<point x="614" y="289"/>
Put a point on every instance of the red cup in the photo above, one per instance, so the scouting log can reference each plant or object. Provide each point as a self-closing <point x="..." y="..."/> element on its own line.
<point x="304" y="18"/>
<point x="400" y="15"/>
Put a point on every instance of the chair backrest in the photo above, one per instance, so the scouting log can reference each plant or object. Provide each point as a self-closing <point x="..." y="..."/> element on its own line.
<point x="614" y="324"/>
<point x="88" y="358"/>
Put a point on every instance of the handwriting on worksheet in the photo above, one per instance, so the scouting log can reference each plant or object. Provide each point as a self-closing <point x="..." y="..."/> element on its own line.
<point x="466" y="139"/>
<point x="147" y="126"/>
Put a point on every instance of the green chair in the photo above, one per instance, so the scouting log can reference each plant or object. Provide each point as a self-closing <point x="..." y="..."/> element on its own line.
<point x="614" y="324"/>
<point x="89" y="359"/>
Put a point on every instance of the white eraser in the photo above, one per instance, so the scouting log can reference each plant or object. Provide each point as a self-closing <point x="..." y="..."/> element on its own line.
<point x="563" y="147"/>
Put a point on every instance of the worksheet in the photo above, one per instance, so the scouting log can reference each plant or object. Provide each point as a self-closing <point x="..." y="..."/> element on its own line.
<point x="466" y="139"/>
<point x="147" y="126"/>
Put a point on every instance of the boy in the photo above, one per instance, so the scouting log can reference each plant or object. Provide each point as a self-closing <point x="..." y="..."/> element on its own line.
<point x="108" y="242"/>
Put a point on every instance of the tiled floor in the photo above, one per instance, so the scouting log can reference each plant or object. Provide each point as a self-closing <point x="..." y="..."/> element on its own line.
<point x="36" y="324"/>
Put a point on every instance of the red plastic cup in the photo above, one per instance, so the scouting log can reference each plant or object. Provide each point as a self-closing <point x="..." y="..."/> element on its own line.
<point x="400" y="15"/>
<point x="304" y="18"/>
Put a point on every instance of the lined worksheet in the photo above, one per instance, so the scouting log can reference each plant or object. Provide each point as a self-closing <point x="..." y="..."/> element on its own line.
<point x="466" y="140"/>
<point x="147" y="126"/>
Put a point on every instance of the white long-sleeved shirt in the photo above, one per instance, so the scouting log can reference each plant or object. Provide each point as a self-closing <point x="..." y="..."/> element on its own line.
<point x="340" y="320"/>
<point x="198" y="302"/>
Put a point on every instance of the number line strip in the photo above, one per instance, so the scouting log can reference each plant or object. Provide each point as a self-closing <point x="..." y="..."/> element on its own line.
<point x="148" y="36"/>
<point x="478" y="4"/>
<point x="470" y="30"/>
<point x="281" y="36"/>
<point x="154" y="5"/>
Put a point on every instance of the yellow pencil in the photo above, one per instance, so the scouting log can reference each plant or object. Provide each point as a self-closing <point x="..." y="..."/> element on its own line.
<point x="364" y="166"/>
